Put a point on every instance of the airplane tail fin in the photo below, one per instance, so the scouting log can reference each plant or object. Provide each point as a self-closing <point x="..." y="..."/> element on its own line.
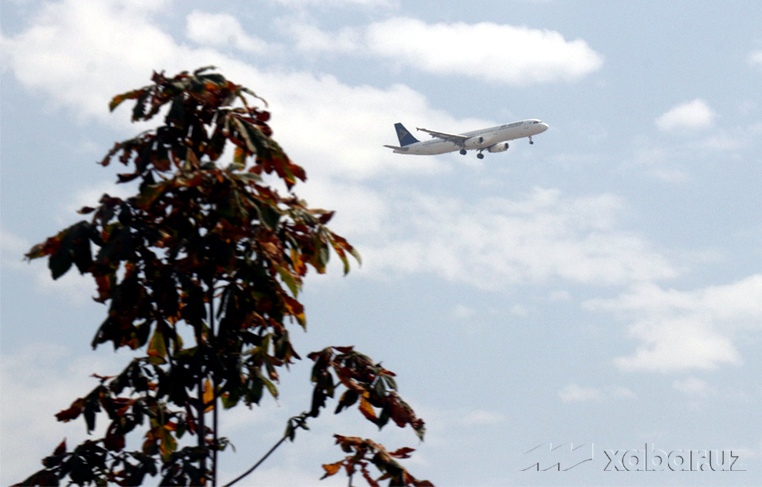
<point x="404" y="136"/>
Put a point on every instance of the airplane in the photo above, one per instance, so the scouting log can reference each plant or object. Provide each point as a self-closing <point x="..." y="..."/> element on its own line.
<point x="492" y="139"/>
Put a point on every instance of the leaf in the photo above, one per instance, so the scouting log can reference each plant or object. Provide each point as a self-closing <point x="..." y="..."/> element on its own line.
<point x="367" y="410"/>
<point x="331" y="469"/>
<point x="168" y="443"/>
<point x="72" y="413"/>
<point x="298" y="263"/>
<point x="62" y="258"/>
<point x="118" y="99"/>
<point x="347" y="399"/>
<point x="402" y="452"/>
<point x="208" y="397"/>
<point x="114" y="440"/>
<point x="149" y="193"/>
<point x="390" y="381"/>
<point x="60" y="449"/>
<point x="176" y="111"/>
<point x="139" y="110"/>
<point x="288" y="279"/>
<point x="202" y="69"/>
<point x="157" y="348"/>
<point x="254" y="390"/>
<point x="271" y="388"/>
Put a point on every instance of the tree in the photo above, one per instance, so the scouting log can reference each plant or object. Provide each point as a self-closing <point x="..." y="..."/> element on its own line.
<point x="201" y="272"/>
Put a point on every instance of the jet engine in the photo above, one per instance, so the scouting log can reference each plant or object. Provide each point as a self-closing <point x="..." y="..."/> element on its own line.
<point x="503" y="146"/>
<point x="474" y="142"/>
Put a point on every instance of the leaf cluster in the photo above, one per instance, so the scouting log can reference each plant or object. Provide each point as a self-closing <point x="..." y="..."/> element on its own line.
<point x="370" y="384"/>
<point x="364" y="452"/>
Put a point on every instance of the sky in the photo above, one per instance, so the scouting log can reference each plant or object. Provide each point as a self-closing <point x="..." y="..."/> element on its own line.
<point x="600" y="289"/>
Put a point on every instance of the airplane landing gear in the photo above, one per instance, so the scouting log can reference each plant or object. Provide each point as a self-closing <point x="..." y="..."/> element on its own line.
<point x="480" y="156"/>
<point x="463" y="152"/>
<point x="531" y="141"/>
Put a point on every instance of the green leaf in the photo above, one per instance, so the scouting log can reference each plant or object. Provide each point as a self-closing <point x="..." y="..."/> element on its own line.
<point x="254" y="391"/>
<point x="378" y="388"/>
<point x="248" y="176"/>
<point x="249" y="138"/>
<point x="271" y="388"/>
<point x="270" y="215"/>
<point x="157" y="348"/>
<point x="288" y="279"/>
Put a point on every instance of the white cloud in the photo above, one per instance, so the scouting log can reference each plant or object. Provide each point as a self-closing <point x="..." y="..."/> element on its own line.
<point x="674" y="344"/>
<point x="576" y="393"/>
<point x="12" y="248"/>
<point x="693" y="115"/>
<point x="683" y="330"/>
<point x="321" y="114"/>
<point x="499" y="53"/>
<point x="693" y="386"/>
<point x="755" y="58"/>
<point x="81" y="53"/>
<point x="224" y="30"/>
<point x="496" y="242"/>
<point x="309" y="38"/>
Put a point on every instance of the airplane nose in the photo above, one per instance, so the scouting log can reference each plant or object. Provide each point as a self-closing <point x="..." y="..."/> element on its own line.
<point x="544" y="127"/>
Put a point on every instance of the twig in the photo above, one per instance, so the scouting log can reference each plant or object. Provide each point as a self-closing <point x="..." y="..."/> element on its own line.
<point x="285" y="437"/>
<point x="293" y="423"/>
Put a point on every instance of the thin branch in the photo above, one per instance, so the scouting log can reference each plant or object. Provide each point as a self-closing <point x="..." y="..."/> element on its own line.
<point x="285" y="437"/>
<point x="293" y="423"/>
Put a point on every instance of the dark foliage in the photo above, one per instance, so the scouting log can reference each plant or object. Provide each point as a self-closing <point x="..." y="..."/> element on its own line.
<point x="201" y="272"/>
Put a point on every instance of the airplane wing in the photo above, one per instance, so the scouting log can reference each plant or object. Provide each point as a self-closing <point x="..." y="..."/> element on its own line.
<point x="454" y="138"/>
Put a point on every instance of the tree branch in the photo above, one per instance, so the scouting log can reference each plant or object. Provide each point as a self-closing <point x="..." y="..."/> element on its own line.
<point x="293" y="423"/>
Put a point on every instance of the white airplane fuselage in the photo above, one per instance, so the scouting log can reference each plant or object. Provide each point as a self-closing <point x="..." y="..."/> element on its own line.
<point x="493" y="139"/>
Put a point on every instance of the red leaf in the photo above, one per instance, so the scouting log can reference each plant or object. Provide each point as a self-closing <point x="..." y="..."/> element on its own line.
<point x="402" y="452"/>
<point x="75" y="410"/>
<point x="60" y="449"/>
<point x="114" y="441"/>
